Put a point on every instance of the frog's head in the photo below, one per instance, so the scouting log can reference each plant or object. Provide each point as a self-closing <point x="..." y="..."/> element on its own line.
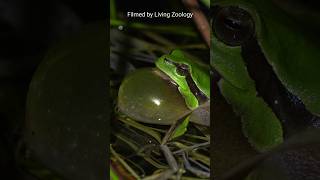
<point x="150" y="94"/>
<point x="191" y="77"/>
<point x="286" y="42"/>
<point x="268" y="61"/>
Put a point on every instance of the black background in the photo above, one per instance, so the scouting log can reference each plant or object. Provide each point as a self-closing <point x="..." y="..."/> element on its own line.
<point x="27" y="29"/>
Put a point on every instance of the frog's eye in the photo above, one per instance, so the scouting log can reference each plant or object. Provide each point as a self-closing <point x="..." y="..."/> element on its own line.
<point x="233" y="25"/>
<point x="183" y="69"/>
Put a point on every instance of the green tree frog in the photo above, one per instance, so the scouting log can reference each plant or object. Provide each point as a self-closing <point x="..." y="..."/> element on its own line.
<point x="179" y="68"/>
<point x="177" y="87"/>
<point x="268" y="60"/>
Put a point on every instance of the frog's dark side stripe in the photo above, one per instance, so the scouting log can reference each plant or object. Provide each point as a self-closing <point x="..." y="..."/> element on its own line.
<point x="183" y="70"/>
<point x="287" y="107"/>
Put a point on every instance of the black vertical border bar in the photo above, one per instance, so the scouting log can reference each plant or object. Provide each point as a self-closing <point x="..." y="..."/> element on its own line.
<point x="108" y="104"/>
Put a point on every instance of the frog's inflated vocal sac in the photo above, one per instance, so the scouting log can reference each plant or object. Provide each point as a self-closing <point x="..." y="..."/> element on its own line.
<point x="177" y="87"/>
<point x="289" y="50"/>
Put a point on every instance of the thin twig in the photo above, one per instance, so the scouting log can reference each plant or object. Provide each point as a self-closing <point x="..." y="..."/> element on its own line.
<point x="168" y="29"/>
<point x="194" y="170"/>
<point x="160" y="176"/>
<point x="169" y="157"/>
<point x="168" y="134"/>
<point x="199" y="18"/>
<point x="199" y="164"/>
<point x="128" y="168"/>
<point x="189" y="148"/>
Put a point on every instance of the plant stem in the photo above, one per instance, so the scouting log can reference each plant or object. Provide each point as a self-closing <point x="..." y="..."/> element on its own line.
<point x="113" y="9"/>
<point x="129" y="169"/>
<point x="169" y="29"/>
<point x="200" y="19"/>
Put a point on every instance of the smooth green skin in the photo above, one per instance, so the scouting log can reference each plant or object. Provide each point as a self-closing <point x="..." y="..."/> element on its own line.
<point x="289" y="46"/>
<point x="199" y="73"/>
<point x="145" y="96"/>
<point x="148" y="95"/>
<point x="139" y="99"/>
<point x="289" y="49"/>
<point x="259" y="123"/>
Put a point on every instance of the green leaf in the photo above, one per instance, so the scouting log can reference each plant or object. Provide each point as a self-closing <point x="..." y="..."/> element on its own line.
<point x="181" y="129"/>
